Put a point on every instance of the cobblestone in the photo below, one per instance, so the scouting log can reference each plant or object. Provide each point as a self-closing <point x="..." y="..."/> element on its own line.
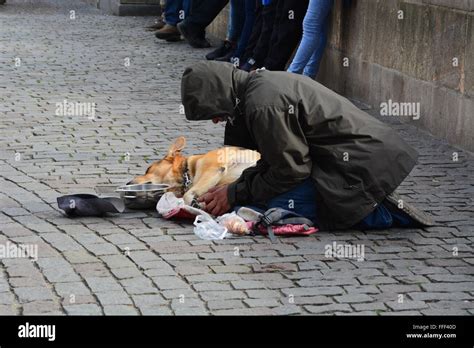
<point x="136" y="263"/>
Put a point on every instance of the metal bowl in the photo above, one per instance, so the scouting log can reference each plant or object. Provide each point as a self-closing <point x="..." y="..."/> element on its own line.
<point x="141" y="196"/>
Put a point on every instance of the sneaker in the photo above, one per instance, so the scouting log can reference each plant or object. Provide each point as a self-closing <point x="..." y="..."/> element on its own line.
<point x="195" y="40"/>
<point x="220" y="51"/>
<point x="157" y="26"/>
<point x="168" y="33"/>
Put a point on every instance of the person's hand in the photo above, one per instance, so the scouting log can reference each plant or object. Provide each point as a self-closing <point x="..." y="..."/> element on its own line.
<point x="216" y="200"/>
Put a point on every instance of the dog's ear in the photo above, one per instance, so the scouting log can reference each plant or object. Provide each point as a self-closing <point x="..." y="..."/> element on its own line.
<point x="177" y="146"/>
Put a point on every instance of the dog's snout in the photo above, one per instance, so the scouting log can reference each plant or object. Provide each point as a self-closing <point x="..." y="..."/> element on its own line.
<point x="130" y="182"/>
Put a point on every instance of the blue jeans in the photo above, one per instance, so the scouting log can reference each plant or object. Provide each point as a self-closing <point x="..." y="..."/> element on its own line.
<point x="301" y="200"/>
<point x="311" y="48"/>
<point x="173" y="8"/>
<point x="239" y="29"/>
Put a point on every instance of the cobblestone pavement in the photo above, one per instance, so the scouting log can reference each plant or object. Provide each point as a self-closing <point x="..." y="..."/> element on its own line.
<point x="139" y="264"/>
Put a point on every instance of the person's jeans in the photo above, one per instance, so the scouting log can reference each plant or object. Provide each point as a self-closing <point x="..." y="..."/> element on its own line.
<point x="311" y="48"/>
<point x="301" y="200"/>
<point x="236" y="20"/>
<point x="173" y="8"/>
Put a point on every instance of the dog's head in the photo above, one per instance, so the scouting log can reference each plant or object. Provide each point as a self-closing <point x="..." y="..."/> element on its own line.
<point x="169" y="170"/>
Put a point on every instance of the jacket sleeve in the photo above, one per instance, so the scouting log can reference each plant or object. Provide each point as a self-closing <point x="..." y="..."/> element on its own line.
<point x="285" y="160"/>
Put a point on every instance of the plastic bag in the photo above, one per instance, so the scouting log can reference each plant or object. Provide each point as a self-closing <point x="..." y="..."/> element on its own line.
<point x="170" y="206"/>
<point x="168" y="202"/>
<point x="206" y="228"/>
<point x="234" y="223"/>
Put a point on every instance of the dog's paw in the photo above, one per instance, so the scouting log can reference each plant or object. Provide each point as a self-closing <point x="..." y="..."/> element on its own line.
<point x="189" y="197"/>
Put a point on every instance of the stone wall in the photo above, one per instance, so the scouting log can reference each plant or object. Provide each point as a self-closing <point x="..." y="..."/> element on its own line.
<point x="417" y="51"/>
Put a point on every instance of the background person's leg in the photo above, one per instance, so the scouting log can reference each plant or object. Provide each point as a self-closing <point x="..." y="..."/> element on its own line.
<point x="249" y="14"/>
<point x="312" y="68"/>
<point x="203" y="12"/>
<point x="287" y="33"/>
<point x="256" y="31"/>
<point x="234" y="29"/>
<point x="172" y="17"/>
<point x="279" y="4"/>
<point x="237" y="8"/>
<point x="237" y="19"/>
<point x="313" y="29"/>
<point x="172" y="9"/>
<point x="261" y="48"/>
<point x="186" y="8"/>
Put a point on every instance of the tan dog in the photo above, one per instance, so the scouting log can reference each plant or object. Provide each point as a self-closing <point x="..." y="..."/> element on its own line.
<point x="193" y="176"/>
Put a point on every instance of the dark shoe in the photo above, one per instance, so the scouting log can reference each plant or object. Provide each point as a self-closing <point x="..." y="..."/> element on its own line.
<point x="221" y="51"/>
<point x="226" y="58"/>
<point x="193" y="39"/>
<point x="168" y="33"/>
<point x="157" y="26"/>
<point x="394" y="202"/>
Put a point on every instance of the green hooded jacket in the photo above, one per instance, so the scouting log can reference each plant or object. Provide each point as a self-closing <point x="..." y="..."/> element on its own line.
<point x="301" y="129"/>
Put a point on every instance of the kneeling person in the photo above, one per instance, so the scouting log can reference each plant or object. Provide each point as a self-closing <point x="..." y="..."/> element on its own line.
<point x="322" y="157"/>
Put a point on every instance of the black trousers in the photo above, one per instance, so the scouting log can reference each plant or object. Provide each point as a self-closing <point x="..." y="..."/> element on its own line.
<point x="286" y="34"/>
<point x="277" y="31"/>
<point x="259" y="42"/>
<point x="202" y="14"/>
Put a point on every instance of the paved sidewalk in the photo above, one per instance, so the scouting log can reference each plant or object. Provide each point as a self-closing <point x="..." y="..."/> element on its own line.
<point x="140" y="264"/>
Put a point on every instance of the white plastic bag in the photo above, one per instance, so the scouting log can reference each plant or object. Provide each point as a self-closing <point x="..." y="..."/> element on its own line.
<point x="206" y="228"/>
<point x="234" y="223"/>
<point x="169" y="203"/>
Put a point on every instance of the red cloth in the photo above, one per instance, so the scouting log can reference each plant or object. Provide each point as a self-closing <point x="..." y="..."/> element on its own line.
<point x="286" y="230"/>
<point x="179" y="213"/>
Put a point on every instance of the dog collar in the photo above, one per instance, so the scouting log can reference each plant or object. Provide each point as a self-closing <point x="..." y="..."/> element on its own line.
<point x="187" y="181"/>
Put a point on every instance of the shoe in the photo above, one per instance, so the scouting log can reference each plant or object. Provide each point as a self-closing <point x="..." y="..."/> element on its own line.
<point x="157" y="26"/>
<point x="392" y="202"/>
<point x="168" y="33"/>
<point x="193" y="39"/>
<point x="221" y="51"/>
<point x="226" y="58"/>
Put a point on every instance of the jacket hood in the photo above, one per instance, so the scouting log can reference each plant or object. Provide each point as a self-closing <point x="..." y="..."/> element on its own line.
<point x="211" y="89"/>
